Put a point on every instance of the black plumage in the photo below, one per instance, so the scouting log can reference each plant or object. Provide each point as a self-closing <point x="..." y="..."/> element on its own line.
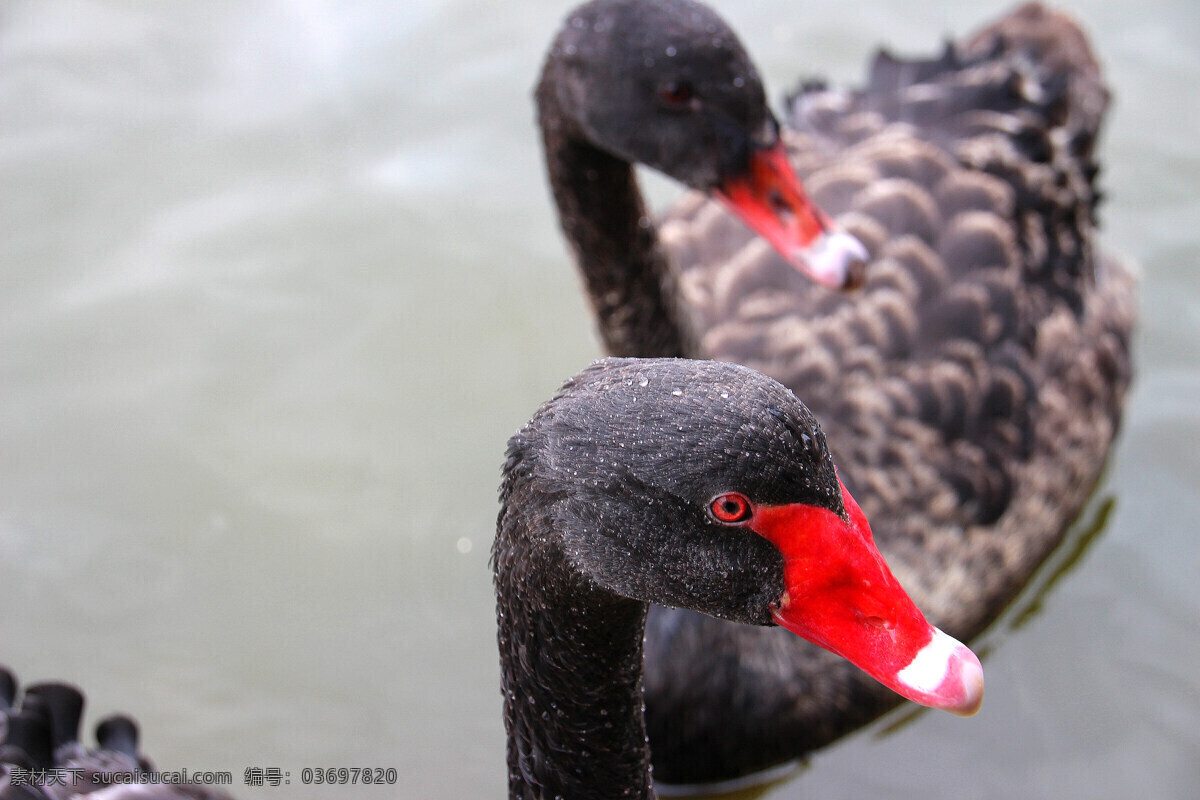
<point x="970" y="391"/>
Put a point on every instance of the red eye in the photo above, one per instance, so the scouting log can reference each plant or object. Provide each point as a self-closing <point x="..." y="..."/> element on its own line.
<point x="675" y="94"/>
<point x="730" y="508"/>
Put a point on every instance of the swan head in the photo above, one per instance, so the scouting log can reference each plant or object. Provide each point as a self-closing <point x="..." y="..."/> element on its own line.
<point x="669" y="85"/>
<point x="709" y="486"/>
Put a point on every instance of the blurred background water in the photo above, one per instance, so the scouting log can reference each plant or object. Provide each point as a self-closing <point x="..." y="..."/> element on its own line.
<point x="278" y="280"/>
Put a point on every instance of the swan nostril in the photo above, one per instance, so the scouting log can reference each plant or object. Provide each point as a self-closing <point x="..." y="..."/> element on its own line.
<point x="877" y="622"/>
<point x="779" y="204"/>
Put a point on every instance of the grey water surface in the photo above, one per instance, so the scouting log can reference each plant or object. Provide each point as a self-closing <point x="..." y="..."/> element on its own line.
<point x="278" y="280"/>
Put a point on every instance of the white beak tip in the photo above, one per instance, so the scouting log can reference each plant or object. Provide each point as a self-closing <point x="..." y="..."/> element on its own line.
<point x="945" y="674"/>
<point x="834" y="259"/>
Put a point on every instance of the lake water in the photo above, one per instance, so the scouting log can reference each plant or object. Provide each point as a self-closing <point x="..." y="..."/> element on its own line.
<point x="279" y="280"/>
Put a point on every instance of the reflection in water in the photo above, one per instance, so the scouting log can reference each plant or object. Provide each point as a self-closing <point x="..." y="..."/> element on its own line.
<point x="1066" y="558"/>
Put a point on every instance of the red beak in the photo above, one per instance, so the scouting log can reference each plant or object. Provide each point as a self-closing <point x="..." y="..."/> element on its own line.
<point x="841" y="595"/>
<point x="771" y="201"/>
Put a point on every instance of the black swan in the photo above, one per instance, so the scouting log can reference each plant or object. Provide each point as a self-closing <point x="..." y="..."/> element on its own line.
<point x="693" y="484"/>
<point x="970" y="389"/>
<point x="41" y="757"/>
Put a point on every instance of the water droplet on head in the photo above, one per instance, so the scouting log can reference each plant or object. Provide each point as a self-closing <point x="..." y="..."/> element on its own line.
<point x="642" y="380"/>
<point x="677" y="392"/>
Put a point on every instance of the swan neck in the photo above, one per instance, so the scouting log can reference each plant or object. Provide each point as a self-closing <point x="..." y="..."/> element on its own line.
<point x="571" y="675"/>
<point x="614" y="241"/>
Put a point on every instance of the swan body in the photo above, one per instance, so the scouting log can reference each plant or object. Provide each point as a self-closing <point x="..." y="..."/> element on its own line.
<point x="970" y="389"/>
